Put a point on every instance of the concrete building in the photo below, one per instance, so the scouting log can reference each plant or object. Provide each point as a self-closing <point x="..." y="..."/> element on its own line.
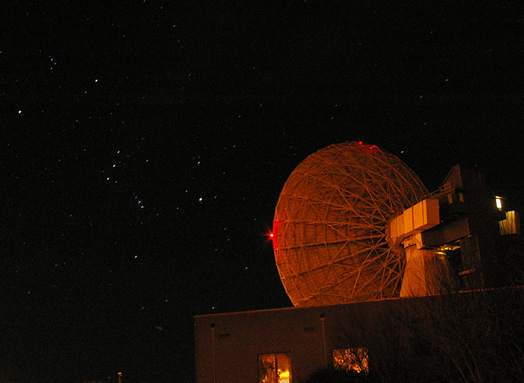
<point x="417" y="336"/>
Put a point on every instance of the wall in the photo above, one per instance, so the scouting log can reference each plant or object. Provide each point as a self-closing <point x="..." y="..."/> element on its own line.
<point x="401" y="334"/>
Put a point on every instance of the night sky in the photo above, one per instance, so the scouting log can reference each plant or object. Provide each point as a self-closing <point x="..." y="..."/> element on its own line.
<point x="144" y="145"/>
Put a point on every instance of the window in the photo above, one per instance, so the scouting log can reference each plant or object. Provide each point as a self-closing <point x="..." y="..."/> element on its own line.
<point x="356" y="359"/>
<point x="274" y="368"/>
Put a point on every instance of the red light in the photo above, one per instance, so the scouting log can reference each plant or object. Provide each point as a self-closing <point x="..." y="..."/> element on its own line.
<point x="272" y="235"/>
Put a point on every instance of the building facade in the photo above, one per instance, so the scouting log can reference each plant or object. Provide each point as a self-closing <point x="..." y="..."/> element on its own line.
<point x="407" y="337"/>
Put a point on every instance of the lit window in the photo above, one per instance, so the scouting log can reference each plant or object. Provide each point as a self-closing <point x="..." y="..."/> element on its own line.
<point x="355" y="359"/>
<point x="498" y="201"/>
<point x="274" y="368"/>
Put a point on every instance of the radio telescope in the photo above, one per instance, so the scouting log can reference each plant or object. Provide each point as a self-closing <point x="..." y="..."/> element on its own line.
<point x="329" y="230"/>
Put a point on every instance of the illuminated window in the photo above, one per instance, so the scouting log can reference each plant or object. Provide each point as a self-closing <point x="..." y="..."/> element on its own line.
<point x="498" y="201"/>
<point x="356" y="359"/>
<point x="274" y="368"/>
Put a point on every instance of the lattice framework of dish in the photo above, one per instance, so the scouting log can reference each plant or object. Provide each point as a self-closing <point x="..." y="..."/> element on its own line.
<point x="329" y="229"/>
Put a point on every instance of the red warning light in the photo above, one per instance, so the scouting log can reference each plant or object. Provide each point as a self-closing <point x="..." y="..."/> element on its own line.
<point x="370" y="148"/>
<point x="272" y="235"/>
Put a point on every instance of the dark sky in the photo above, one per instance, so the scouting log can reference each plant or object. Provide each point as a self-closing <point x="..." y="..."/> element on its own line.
<point x="145" y="143"/>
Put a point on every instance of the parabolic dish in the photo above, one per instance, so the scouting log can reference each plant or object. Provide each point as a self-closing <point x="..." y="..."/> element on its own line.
<point x="329" y="229"/>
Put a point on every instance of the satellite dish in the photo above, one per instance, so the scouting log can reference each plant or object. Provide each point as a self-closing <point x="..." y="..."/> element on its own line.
<point x="329" y="230"/>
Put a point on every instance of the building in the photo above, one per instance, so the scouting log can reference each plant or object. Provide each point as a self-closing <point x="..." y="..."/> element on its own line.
<point x="436" y="336"/>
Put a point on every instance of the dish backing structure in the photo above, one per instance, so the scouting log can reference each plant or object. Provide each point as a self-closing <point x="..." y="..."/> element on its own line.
<point x="329" y="230"/>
